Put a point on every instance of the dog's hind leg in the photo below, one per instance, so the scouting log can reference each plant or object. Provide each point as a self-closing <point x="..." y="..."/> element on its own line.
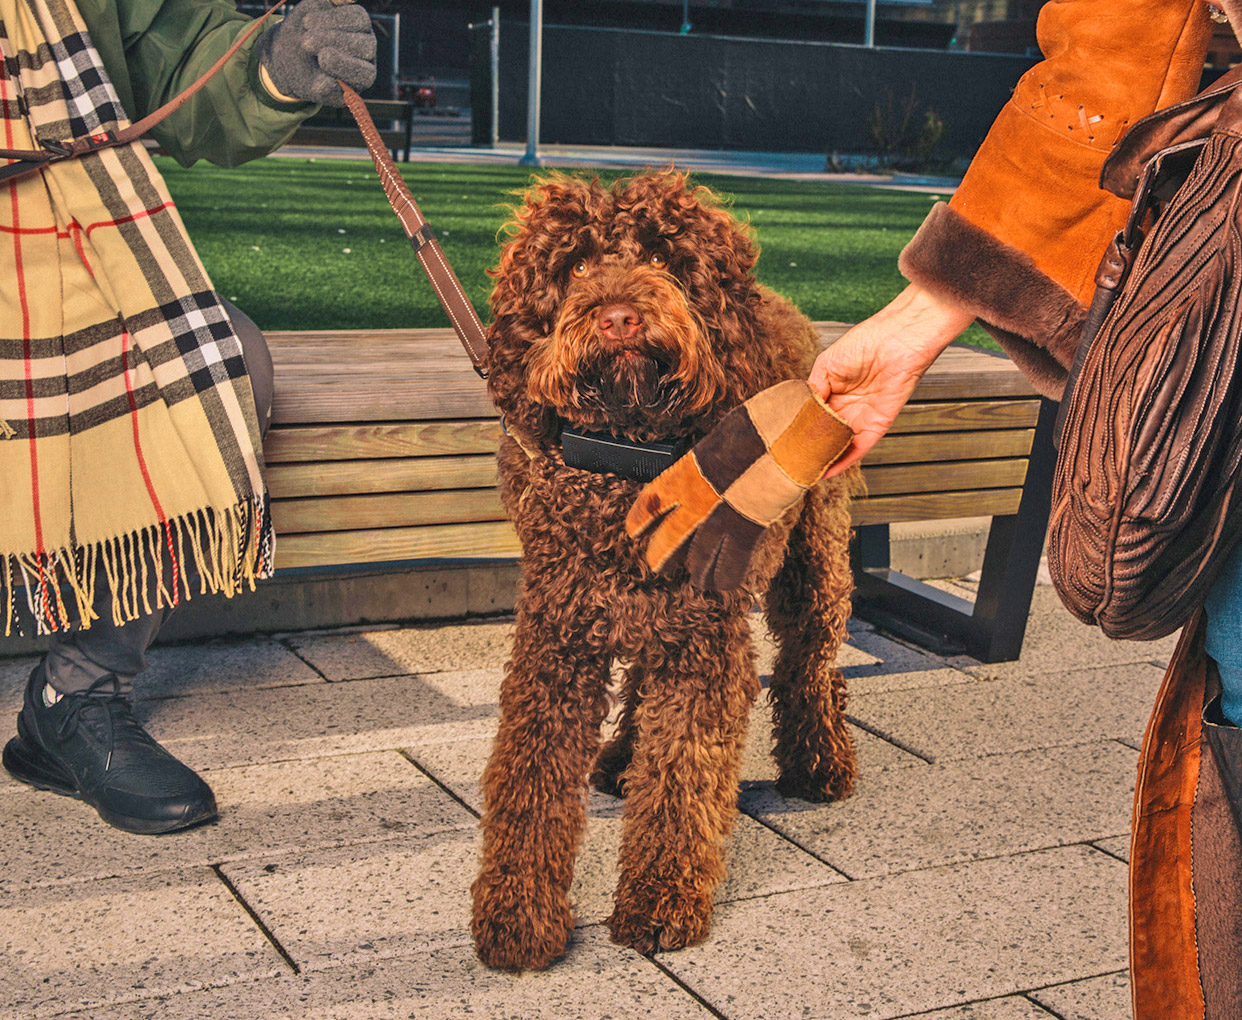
<point x="615" y="756"/>
<point x="808" y="607"/>
<point x="681" y="788"/>
<point x="552" y="702"/>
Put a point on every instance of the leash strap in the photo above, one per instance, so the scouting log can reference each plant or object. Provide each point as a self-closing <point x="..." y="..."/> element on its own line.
<point x="426" y="248"/>
<point x="31" y="161"/>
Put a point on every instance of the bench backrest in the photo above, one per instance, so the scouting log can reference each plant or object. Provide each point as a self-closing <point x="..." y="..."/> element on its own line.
<point x="383" y="448"/>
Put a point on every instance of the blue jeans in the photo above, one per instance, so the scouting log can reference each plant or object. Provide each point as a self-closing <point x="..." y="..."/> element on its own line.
<point x="1224" y="634"/>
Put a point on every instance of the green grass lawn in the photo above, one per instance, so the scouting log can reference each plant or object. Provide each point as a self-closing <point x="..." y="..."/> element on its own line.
<point x="313" y="244"/>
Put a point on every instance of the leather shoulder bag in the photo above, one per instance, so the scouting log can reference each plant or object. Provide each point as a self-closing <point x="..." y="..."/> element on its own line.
<point x="1147" y="493"/>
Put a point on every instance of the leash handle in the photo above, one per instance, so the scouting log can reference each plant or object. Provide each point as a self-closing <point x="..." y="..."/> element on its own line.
<point x="426" y="248"/>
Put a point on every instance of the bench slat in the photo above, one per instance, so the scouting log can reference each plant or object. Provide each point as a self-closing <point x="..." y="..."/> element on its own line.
<point x="373" y="440"/>
<point x="938" y="506"/>
<point x="939" y="416"/>
<point x="422" y="375"/>
<point x="937" y="447"/>
<point x="947" y="477"/>
<point x="399" y="474"/>
<point x="389" y="510"/>
<point x="434" y="541"/>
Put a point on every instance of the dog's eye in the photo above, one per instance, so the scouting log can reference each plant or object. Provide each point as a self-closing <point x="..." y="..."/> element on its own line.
<point x="580" y="269"/>
<point x="658" y="260"/>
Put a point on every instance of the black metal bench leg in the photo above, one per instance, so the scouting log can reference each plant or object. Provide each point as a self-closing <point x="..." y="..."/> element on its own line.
<point x="1011" y="559"/>
<point x="991" y="628"/>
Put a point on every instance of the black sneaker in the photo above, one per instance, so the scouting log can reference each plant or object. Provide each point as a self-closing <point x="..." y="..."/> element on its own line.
<point x="91" y="747"/>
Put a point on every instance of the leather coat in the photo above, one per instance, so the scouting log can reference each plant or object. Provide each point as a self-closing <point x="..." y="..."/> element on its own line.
<point x="1019" y="245"/>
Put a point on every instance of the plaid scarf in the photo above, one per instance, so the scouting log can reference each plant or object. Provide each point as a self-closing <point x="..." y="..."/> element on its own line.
<point x="130" y="460"/>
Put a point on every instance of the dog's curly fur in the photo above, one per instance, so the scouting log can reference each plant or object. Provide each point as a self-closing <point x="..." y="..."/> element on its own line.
<point x="710" y="337"/>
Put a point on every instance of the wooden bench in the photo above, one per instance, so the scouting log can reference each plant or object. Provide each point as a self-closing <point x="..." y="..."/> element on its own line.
<point x="382" y="449"/>
<point x="335" y="126"/>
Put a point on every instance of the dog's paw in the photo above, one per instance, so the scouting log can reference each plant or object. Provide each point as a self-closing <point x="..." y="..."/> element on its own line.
<point x="517" y="926"/>
<point x="672" y="921"/>
<point x="831" y="781"/>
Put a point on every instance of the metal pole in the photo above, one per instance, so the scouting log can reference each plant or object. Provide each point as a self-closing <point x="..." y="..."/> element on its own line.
<point x="685" y="17"/>
<point x="494" y="52"/>
<point x="536" y="81"/>
<point x="869" y="28"/>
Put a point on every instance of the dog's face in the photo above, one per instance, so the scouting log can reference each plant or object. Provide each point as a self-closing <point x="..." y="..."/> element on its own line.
<point x="628" y="309"/>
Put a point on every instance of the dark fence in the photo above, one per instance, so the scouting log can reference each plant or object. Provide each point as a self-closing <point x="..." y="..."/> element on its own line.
<point x="619" y="87"/>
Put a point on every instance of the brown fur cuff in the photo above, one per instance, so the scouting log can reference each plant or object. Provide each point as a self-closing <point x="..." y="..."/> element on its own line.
<point x="1036" y="320"/>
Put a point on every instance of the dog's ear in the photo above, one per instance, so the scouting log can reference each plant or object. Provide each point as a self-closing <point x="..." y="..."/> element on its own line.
<point x="558" y="221"/>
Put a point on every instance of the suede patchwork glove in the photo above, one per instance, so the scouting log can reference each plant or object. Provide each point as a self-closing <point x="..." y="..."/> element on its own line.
<point x="315" y="45"/>
<point x="713" y="505"/>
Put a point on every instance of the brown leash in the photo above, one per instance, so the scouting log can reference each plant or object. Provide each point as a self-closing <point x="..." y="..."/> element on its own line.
<point x="427" y="249"/>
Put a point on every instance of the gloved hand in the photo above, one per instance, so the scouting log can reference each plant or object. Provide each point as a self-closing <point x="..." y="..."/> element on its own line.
<point x="315" y="45"/>
<point x="714" y="504"/>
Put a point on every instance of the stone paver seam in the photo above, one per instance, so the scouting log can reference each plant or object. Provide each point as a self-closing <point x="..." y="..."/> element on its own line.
<point x="409" y="756"/>
<point x="255" y="919"/>
<point x="886" y="738"/>
<point x="1030" y="992"/>
<point x="936" y="866"/>
<point x="1104" y="850"/>
<point x="681" y="983"/>
<point x="293" y="650"/>
<point x="971" y="1002"/>
<point x="792" y="842"/>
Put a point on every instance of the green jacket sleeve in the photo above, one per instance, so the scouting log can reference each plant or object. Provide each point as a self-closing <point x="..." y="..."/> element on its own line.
<point x="168" y="45"/>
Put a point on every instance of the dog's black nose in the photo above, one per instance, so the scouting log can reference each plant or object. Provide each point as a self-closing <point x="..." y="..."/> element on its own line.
<point x="619" y="321"/>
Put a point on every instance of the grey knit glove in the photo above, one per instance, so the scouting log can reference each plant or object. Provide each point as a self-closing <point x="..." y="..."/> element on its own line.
<point x="315" y="45"/>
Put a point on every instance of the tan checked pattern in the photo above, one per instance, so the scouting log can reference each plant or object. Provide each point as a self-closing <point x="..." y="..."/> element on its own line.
<point x="129" y="447"/>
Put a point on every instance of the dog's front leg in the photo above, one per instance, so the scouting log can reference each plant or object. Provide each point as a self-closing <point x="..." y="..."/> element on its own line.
<point x="552" y="702"/>
<point x="681" y="789"/>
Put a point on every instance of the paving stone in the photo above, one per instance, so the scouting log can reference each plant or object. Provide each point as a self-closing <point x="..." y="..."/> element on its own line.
<point x="912" y="943"/>
<point x="595" y="980"/>
<point x="1101" y="998"/>
<point x="117" y="940"/>
<point x="1055" y="639"/>
<point x="332" y="907"/>
<point x="213" y="666"/>
<point x="1010" y="715"/>
<point x="264" y="809"/>
<point x="1119" y="846"/>
<point x="253" y="726"/>
<point x="902" y="819"/>
<point x="991" y="1009"/>
<point x="393" y="652"/>
<point x="355" y="903"/>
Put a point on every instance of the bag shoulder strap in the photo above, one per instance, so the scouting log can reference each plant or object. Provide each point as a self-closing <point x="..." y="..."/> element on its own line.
<point x="1186" y="121"/>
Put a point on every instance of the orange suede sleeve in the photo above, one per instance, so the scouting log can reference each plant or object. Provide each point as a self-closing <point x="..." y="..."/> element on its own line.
<point x="1020" y="241"/>
<point x="1034" y="183"/>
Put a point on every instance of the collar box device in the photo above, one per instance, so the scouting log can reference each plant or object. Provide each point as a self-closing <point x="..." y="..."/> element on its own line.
<point x="604" y="453"/>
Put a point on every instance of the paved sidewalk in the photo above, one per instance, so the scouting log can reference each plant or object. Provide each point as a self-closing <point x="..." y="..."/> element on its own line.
<point x="800" y="166"/>
<point x="976" y="873"/>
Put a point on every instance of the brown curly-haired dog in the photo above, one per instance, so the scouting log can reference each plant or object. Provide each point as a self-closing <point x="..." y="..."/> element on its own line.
<point x="634" y="309"/>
